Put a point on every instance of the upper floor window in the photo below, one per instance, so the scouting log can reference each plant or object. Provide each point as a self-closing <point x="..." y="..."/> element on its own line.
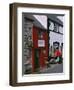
<point x="56" y="27"/>
<point x="61" y="29"/>
<point x="51" y="25"/>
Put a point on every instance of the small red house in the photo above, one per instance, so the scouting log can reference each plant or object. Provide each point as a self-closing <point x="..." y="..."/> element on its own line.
<point x="39" y="41"/>
<point x="40" y="47"/>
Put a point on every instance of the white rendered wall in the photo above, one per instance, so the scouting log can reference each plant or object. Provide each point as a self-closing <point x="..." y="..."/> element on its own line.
<point x="55" y="37"/>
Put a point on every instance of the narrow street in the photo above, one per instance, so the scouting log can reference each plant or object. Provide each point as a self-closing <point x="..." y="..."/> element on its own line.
<point x="53" y="68"/>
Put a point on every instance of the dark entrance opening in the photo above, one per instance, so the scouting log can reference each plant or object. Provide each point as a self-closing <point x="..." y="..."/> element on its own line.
<point x="36" y="60"/>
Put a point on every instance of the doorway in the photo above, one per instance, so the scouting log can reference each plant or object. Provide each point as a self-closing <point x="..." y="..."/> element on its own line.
<point x="36" y="59"/>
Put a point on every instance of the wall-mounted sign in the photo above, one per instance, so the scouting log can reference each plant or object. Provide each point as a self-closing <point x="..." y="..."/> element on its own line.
<point x="41" y="43"/>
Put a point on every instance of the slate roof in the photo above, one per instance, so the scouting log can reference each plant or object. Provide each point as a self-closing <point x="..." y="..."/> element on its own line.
<point x="38" y="24"/>
<point x="35" y="21"/>
<point x="55" y="19"/>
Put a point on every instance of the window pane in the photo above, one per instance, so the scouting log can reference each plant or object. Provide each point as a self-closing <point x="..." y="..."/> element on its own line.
<point x="51" y="25"/>
<point x="56" y="27"/>
<point x="60" y="29"/>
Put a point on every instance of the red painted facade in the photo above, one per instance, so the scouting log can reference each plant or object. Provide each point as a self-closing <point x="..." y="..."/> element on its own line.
<point x="42" y="51"/>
